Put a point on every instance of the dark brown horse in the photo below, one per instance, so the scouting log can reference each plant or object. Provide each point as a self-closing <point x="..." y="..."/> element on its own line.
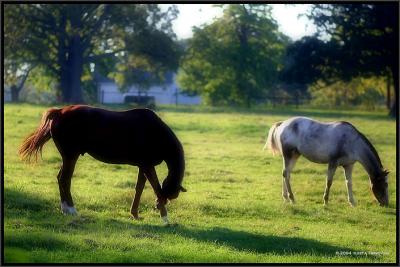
<point x="137" y="137"/>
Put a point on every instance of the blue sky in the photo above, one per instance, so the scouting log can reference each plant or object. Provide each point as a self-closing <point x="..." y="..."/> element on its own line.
<point x="286" y="15"/>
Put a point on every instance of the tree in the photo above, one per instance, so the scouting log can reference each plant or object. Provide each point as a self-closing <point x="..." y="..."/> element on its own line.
<point x="17" y="67"/>
<point x="64" y="39"/>
<point x="234" y="60"/>
<point x="16" y="76"/>
<point x="362" y="41"/>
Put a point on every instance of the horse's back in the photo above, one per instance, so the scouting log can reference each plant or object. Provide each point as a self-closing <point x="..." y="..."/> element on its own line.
<point x="91" y="118"/>
<point x="319" y="141"/>
<point x="134" y="136"/>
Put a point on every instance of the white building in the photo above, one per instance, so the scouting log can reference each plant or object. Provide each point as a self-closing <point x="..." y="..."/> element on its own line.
<point x="108" y="92"/>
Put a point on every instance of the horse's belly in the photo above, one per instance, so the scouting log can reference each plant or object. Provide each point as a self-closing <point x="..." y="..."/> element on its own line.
<point x="124" y="157"/>
<point x="326" y="156"/>
<point x="314" y="154"/>
<point x="111" y="158"/>
<point x="316" y="159"/>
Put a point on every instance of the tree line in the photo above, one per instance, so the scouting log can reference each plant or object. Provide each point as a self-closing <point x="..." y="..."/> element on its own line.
<point x="241" y="58"/>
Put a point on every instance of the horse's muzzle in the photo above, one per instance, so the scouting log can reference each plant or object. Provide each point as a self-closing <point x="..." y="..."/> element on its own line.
<point x="161" y="202"/>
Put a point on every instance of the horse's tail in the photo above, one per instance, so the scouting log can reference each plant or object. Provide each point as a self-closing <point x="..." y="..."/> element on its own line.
<point x="34" y="143"/>
<point x="271" y="142"/>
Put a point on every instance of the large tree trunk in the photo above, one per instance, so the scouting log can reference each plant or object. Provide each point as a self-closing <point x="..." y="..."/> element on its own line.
<point x="64" y="85"/>
<point x="14" y="93"/>
<point x="16" y="89"/>
<point x="70" y="76"/>
<point x="70" y="58"/>
<point x="75" y="70"/>
<point x="388" y="89"/>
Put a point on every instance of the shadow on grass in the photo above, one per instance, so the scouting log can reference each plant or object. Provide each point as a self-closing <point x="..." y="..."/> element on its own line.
<point x="251" y="242"/>
<point x="22" y="247"/>
<point x="38" y="241"/>
<point x="25" y="211"/>
<point x="238" y="240"/>
<point x="16" y="202"/>
<point x="19" y="201"/>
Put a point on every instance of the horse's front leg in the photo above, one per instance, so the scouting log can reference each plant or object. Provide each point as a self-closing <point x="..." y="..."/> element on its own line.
<point x="329" y="178"/>
<point x="151" y="175"/>
<point x="348" y="169"/>
<point x="64" y="183"/>
<point x="138" y="193"/>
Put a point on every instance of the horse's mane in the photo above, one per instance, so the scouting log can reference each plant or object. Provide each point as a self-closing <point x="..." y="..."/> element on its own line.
<point x="365" y="139"/>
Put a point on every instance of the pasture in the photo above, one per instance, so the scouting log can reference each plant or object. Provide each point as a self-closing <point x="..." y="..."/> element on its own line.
<point x="233" y="211"/>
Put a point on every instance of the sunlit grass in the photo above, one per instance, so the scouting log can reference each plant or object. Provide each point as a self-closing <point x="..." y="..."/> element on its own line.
<point x="233" y="210"/>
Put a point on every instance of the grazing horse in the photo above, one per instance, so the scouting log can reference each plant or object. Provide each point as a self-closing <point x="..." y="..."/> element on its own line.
<point x="136" y="137"/>
<point x="335" y="144"/>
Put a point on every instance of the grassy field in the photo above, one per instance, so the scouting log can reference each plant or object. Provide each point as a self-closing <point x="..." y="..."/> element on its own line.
<point x="233" y="211"/>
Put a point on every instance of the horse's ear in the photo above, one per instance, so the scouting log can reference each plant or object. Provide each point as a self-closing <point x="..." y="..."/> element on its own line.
<point x="386" y="172"/>
<point x="183" y="189"/>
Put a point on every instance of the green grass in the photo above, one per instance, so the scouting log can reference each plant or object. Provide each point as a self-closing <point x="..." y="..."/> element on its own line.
<point x="232" y="213"/>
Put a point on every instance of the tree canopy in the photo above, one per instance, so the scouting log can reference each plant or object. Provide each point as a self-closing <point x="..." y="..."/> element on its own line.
<point x="66" y="40"/>
<point x="235" y="59"/>
<point x="353" y="40"/>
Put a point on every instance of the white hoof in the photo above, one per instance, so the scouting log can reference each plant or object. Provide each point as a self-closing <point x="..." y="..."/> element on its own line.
<point x="165" y="219"/>
<point x="67" y="210"/>
<point x="352" y="203"/>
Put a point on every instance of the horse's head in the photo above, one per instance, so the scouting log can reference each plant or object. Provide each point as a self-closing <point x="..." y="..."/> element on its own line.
<point x="172" y="185"/>
<point x="170" y="189"/>
<point x="379" y="187"/>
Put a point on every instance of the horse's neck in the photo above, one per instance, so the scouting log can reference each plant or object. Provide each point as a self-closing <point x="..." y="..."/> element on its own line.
<point x="176" y="167"/>
<point x="370" y="160"/>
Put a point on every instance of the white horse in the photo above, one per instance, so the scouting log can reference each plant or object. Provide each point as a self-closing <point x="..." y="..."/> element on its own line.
<point x="336" y="144"/>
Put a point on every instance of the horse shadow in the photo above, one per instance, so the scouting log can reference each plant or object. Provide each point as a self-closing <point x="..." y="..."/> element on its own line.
<point x="17" y="202"/>
<point x="240" y="240"/>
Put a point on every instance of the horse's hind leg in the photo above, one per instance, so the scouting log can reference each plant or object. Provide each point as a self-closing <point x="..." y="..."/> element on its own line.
<point x="289" y="160"/>
<point x="64" y="184"/>
<point x="348" y="169"/>
<point x="138" y="193"/>
<point x="331" y="172"/>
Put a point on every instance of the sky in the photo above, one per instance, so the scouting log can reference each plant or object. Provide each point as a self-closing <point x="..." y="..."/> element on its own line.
<point x="286" y="16"/>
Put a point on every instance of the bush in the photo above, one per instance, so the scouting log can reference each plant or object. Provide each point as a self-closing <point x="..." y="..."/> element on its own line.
<point x="363" y="92"/>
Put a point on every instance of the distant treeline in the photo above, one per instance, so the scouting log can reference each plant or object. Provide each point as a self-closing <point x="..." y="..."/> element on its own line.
<point x="241" y="58"/>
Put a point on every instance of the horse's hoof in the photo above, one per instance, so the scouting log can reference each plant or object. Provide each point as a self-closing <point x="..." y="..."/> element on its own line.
<point x="165" y="220"/>
<point x="136" y="218"/>
<point x="68" y="210"/>
<point x="352" y="204"/>
<point x="71" y="212"/>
